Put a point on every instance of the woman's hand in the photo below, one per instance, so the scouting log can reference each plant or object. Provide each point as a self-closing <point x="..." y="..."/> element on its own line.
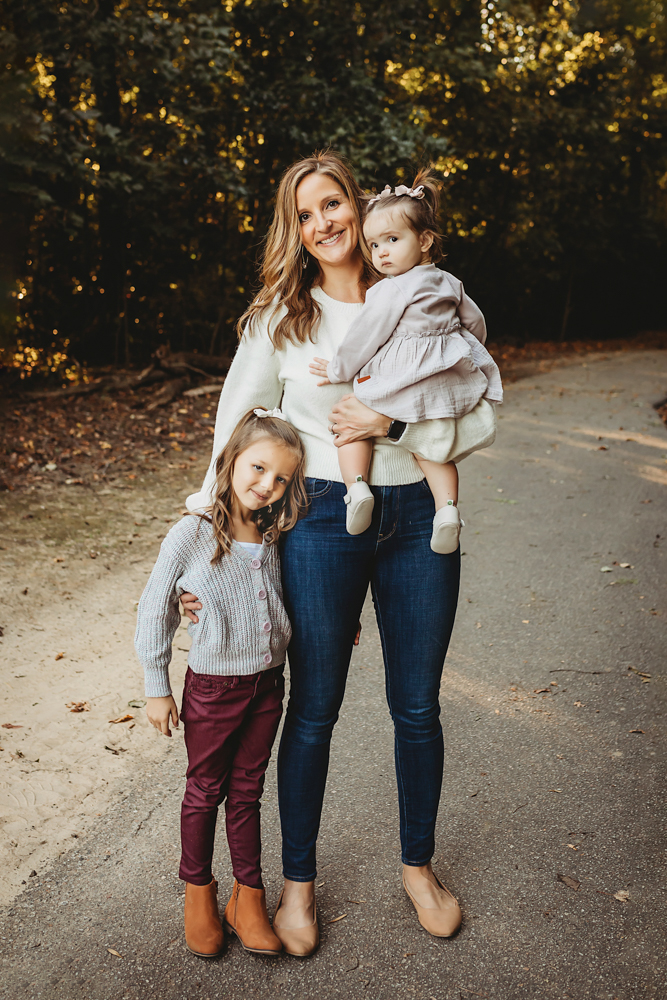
<point x="190" y="605"/>
<point x="350" y="420"/>
<point x="160" y="711"/>
<point x="358" y="635"/>
<point x="318" y="367"/>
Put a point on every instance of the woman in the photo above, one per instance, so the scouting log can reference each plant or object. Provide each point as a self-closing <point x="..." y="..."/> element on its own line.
<point x="315" y="273"/>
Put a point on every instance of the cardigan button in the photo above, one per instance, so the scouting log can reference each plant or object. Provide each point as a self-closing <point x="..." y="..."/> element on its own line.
<point x="267" y="657"/>
<point x="267" y="626"/>
<point x="255" y="564"/>
<point x="261" y="594"/>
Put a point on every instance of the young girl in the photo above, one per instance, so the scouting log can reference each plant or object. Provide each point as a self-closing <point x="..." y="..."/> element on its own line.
<point x="232" y="699"/>
<point x="415" y="351"/>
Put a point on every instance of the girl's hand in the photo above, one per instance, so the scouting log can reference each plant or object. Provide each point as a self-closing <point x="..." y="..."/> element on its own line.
<point x="160" y="711"/>
<point x="190" y="605"/>
<point x="351" y="420"/>
<point x="318" y="366"/>
<point x="358" y="635"/>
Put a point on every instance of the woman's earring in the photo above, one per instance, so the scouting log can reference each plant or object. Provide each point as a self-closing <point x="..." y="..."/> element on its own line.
<point x="304" y="258"/>
<point x="269" y="508"/>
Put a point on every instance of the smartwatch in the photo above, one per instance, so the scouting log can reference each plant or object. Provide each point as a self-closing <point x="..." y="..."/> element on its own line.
<point x="396" y="430"/>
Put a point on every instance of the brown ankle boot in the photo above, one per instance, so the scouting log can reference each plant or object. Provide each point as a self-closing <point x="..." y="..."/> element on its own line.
<point x="204" y="935"/>
<point x="246" y="917"/>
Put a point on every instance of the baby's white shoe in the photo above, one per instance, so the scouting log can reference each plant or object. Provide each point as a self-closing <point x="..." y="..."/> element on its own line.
<point x="360" y="502"/>
<point x="446" y="529"/>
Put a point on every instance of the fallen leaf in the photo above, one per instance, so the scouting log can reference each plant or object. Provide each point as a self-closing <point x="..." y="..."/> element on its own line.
<point x="573" y="846"/>
<point x="622" y="895"/>
<point x="136" y="703"/>
<point x="112" y="951"/>
<point x="525" y="621"/>
<point x="644" y="501"/>
<point x="606" y="569"/>
<point x="122" y="718"/>
<point x="115" y="750"/>
<point x="542" y="691"/>
<point x="59" y="656"/>
<point x="578" y="704"/>
<point x="78" y="706"/>
<point x="639" y="673"/>
<point x="603" y="447"/>
<point x="10" y="725"/>
<point x="571" y="883"/>
<point x="59" y="559"/>
<point x="626" y="566"/>
<point x="559" y="790"/>
<point x="636" y="731"/>
<point x="336" y="919"/>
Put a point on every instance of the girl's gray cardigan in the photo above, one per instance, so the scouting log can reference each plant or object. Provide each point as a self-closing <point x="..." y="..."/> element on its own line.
<point x="243" y="626"/>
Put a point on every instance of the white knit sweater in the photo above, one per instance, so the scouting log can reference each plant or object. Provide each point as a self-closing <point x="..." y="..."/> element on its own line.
<point x="243" y="626"/>
<point x="262" y="376"/>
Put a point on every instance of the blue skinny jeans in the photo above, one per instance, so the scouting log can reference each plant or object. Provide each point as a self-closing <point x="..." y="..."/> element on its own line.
<point x="326" y="574"/>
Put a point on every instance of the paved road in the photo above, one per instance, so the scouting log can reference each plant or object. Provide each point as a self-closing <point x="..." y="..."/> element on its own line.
<point x="555" y="757"/>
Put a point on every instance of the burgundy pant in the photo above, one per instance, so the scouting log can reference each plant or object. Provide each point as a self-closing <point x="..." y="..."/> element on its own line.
<point x="230" y="726"/>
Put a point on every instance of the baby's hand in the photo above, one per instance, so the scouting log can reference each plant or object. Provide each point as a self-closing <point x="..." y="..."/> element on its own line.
<point x="318" y="366"/>
<point x="160" y="711"/>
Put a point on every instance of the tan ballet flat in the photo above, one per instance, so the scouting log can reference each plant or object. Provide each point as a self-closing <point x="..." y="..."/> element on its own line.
<point x="298" y="941"/>
<point x="204" y="935"/>
<point x="442" y="922"/>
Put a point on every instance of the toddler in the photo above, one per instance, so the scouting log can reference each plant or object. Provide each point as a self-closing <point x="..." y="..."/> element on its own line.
<point x="415" y="351"/>
<point x="232" y="699"/>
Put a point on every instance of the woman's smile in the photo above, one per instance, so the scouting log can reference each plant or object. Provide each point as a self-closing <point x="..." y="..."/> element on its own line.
<point x="330" y="240"/>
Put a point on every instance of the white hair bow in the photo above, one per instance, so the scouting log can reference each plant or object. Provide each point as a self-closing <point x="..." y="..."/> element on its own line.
<point x="402" y="189"/>
<point x="275" y="412"/>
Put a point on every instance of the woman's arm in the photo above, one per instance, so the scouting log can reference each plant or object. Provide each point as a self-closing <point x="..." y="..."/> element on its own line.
<point x="252" y="381"/>
<point x="354" y="421"/>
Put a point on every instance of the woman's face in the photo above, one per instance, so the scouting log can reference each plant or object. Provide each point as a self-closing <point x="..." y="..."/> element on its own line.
<point x="327" y="220"/>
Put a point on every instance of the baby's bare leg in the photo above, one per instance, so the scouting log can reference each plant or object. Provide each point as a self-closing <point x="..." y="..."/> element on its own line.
<point x="443" y="480"/>
<point x="355" y="460"/>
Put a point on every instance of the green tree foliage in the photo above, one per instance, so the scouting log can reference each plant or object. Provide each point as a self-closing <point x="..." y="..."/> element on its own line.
<point x="142" y="142"/>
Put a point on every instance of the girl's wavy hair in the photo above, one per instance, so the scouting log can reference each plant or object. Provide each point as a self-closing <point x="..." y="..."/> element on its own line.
<point x="284" y="514"/>
<point x="285" y="280"/>
<point x="421" y="214"/>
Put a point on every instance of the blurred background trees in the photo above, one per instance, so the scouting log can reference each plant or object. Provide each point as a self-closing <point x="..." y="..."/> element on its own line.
<point x="141" y="142"/>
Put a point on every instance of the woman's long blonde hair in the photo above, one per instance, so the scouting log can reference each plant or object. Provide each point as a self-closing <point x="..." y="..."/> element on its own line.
<point x="280" y="516"/>
<point x="285" y="280"/>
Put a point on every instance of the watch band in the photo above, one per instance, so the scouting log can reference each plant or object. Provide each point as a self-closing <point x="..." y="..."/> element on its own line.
<point x="396" y="430"/>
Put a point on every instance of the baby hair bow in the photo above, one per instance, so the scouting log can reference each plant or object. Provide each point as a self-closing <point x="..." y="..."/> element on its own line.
<point x="402" y="189"/>
<point x="275" y="412"/>
<point x="399" y="191"/>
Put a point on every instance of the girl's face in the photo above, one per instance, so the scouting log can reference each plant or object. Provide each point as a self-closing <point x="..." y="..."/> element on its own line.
<point x="395" y="247"/>
<point x="262" y="473"/>
<point x="327" y="220"/>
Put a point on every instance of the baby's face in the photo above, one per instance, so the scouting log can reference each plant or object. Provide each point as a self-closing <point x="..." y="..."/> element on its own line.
<point x="395" y="247"/>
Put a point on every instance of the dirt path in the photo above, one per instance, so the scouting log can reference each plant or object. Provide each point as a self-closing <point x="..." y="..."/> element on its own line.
<point x="74" y="562"/>
<point x="553" y="709"/>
